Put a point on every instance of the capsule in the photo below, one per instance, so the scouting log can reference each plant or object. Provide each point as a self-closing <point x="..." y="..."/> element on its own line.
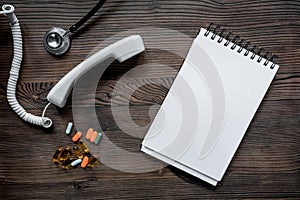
<point x="85" y="162"/>
<point x="65" y="154"/>
<point x="78" y="152"/>
<point x="89" y="133"/>
<point x="94" y="136"/>
<point x="56" y="155"/>
<point x="76" y="137"/>
<point x="98" y="138"/>
<point x="83" y="146"/>
<point x="92" y="161"/>
<point x="69" y="128"/>
<point x="76" y="162"/>
<point x="67" y="163"/>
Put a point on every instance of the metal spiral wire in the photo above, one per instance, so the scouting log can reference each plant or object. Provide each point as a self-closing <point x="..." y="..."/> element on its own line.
<point x="243" y="44"/>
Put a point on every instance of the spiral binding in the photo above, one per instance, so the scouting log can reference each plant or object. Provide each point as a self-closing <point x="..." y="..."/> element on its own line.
<point x="243" y="44"/>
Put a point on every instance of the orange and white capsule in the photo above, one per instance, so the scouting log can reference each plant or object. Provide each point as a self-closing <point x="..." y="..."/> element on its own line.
<point x="85" y="162"/>
<point x="77" y="136"/>
<point x="94" y="136"/>
<point x="89" y="133"/>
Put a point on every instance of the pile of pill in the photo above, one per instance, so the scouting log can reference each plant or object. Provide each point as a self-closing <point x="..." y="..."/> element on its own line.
<point x="68" y="157"/>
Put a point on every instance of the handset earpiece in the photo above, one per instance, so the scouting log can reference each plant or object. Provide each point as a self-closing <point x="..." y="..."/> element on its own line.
<point x="120" y="50"/>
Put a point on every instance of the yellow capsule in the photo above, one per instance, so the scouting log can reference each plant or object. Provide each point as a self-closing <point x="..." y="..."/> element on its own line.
<point x="67" y="163"/>
<point x="65" y="154"/>
<point x="92" y="161"/>
<point x="83" y="146"/>
<point x="78" y="152"/>
<point x="57" y="154"/>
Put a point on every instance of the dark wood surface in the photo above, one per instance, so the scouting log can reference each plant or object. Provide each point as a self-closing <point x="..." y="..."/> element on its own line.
<point x="267" y="163"/>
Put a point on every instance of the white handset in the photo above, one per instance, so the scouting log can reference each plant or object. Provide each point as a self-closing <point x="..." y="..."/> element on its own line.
<point x="120" y="50"/>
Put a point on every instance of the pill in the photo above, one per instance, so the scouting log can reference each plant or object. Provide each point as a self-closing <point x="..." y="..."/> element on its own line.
<point x="92" y="161"/>
<point x="78" y="152"/>
<point x="83" y="146"/>
<point x="85" y="162"/>
<point x="89" y="133"/>
<point x="69" y="128"/>
<point x="76" y="162"/>
<point x="94" y="136"/>
<point x="56" y="155"/>
<point x="67" y="163"/>
<point x="98" y="138"/>
<point x="76" y="137"/>
<point x="65" y="154"/>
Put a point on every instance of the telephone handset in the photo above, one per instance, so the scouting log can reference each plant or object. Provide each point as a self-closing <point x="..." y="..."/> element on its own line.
<point x="120" y="50"/>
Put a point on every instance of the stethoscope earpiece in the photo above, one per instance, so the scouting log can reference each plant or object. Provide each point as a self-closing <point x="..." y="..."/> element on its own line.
<point x="57" y="41"/>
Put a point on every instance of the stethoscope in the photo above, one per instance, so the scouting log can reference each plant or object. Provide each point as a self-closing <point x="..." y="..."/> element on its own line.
<point x="57" y="41"/>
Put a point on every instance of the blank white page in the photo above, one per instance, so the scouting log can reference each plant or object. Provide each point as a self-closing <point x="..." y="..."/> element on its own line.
<point x="208" y="108"/>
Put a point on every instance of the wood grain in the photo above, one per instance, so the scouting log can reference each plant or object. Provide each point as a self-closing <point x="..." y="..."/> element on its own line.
<point x="267" y="163"/>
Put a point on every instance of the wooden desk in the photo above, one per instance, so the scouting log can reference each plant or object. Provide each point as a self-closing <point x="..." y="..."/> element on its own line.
<point x="267" y="163"/>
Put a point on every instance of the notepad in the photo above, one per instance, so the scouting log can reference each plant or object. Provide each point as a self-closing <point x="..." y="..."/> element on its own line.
<point x="210" y="105"/>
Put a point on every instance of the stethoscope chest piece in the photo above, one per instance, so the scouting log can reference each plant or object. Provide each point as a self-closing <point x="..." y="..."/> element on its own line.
<point x="57" y="41"/>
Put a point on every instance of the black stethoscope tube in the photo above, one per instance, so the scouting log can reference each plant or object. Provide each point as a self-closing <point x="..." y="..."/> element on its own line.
<point x="57" y="40"/>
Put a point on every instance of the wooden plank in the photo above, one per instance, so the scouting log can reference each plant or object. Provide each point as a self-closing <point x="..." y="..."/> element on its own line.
<point x="267" y="164"/>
